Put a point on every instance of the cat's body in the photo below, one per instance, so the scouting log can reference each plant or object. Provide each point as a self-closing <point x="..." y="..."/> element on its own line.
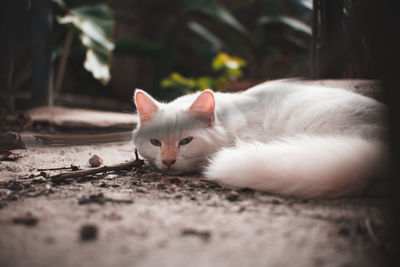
<point x="278" y="137"/>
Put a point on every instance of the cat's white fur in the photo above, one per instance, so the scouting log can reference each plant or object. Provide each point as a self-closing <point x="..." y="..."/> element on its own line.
<point x="278" y="137"/>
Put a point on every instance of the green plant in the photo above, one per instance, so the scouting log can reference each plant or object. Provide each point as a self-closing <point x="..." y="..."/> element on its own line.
<point x="275" y="35"/>
<point x="94" y="24"/>
<point x="227" y="69"/>
<point x="191" y="34"/>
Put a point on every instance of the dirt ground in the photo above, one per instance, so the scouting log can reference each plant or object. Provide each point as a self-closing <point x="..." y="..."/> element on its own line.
<point x="143" y="218"/>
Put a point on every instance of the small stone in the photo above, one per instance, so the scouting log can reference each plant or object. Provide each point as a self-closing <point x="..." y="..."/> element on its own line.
<point x="49" y="188"/>
<point x="232" y="196"/>
<point x="161" y="185"/>
<point x="12" y="197"/>
<point x="110" y="176"/>
<point x="205" y="235"/>
<point x="95" y="161"/>
<point x="95" y="198"/>
<point x="88" y="232"/>
<point x="137" y="183"/>
<point x="246" y="190"/>
<point x="178" y="196"/>
<point x="175" y="180"/>
<point x="191" y="185"/>
<point x="141" y="190"/>
<point x="238" y="209"/>
<point x="44" y="174"/>
<point x="276" y="202"/>
<point x="39" y="180"/>
<point x="74" y="167"/>
<point x="173" y="188"/>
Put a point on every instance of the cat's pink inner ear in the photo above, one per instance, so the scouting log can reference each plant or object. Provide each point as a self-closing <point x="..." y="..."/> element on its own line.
<point x="204" y="104"/>
<point x="146" y="106"/>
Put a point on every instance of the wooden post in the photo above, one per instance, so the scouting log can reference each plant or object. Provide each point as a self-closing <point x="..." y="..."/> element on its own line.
<point x="41" y="53"/>
<point x="15" y="49"/>
<point x="327" y="57"/>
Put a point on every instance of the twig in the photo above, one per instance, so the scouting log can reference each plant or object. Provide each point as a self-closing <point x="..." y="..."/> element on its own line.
<point x="79" y="174"/>
<point x="72" y="167"/>
<point x="136" y="154"/>
<point x="63" y="61"/>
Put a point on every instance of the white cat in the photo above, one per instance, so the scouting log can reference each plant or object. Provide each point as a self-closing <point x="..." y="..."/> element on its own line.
<point x="279" y="137"/>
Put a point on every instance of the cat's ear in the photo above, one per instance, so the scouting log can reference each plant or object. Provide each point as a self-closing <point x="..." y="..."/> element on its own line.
<point x="146" y="106"/>
<point x="204" y="106"/>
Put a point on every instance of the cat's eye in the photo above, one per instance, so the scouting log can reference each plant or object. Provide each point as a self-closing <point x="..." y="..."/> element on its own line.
<point x="155" y="142"/>
<point x="185" y="141"/>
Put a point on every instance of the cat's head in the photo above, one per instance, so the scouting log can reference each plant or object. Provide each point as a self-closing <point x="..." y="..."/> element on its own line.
<point x="175" y="137"/>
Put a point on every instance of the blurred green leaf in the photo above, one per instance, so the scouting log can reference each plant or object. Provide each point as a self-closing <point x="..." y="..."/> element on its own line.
<point x="306" y="3"/>
<point x="61" y="3"/>
<point x="229" y="67"/>
<point x="177" y="80"/>
<point x="95" y="64"/>
<point x="95" y="25"/>
<point x="188" y="85"/>
<point x="293" y="23"/>
<point x="232" y="66"/>
<point x="94" y="21"/>
<point x="205" y="34"/>
<point x="212" y="9"/>
<point x="205" y="83"/>
<point x="221" y="83"/>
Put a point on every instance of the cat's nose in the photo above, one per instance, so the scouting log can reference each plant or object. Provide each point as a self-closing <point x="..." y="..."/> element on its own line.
<point x="169" y="162"/>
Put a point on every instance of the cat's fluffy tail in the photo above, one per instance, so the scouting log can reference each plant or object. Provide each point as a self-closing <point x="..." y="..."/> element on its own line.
<point x="304" y="166"/>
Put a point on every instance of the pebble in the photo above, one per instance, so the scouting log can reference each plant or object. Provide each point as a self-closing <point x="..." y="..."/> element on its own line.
<point x="39" y="180"/>
<point x="95" y="161"/>
<point x="232" y="196"/>
<point x="178" y="196"/>
<point x="276" y="202"/>
<point x="88" y="232"/>
<point x="142" y="190"/>
<point x="110" y="176"/>
<point x="205" y="235"/>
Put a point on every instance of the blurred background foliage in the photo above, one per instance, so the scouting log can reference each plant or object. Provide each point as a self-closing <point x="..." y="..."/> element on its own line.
<point x="109" y="47"/>
<point x="227" y="69"/>
<point x="94" y="25"/>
